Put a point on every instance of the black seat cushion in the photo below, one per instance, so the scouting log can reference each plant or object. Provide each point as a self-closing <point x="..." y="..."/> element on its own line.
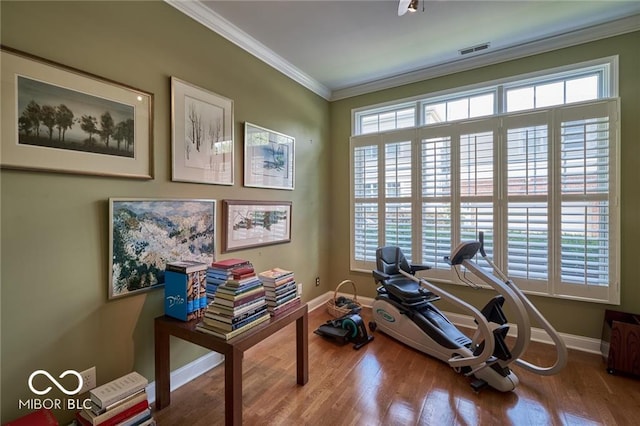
<point x="406" y="289"/>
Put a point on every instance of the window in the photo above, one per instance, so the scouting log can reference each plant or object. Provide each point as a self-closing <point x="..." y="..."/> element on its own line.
<point x="459" y="109"/>
<point x="540" y="181"/>
<point x="550" y="93"/>
<point x="381" y="120"/>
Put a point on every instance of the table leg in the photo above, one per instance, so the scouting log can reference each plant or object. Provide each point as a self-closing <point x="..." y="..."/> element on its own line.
<point x="233" y="388"/>
<point x="302" y="349"/>
<point x="163" y="393"/>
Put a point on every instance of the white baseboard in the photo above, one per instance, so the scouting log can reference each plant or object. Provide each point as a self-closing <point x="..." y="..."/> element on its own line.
<point x="581" y="343"/>
<point x="185" y="374"/>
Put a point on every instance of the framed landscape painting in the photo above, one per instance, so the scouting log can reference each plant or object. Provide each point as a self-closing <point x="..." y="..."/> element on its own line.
<point x="59" y="119"/>
<point x="249" y="224"/>
<point x="269" y="158"/>
<point x="202" y="138"/>
<point x="146" y="234"/>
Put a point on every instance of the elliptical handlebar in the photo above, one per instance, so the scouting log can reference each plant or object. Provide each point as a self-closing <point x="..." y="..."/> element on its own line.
<point x="561" y="348"/>
<point x="481" y="239"/>
<point x="522" y="302"/>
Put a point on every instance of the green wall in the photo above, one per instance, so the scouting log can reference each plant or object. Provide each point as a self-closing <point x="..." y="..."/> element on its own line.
<point x="54" y="227"/>
<point x="579" y="318"/>
<point x="54" y="309"/>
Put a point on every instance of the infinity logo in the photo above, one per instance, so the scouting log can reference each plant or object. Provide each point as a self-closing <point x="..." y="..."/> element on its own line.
<point x="55" y="382"/>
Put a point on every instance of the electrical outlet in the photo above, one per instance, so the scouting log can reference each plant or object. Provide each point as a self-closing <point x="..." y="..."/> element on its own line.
<point x="317" y="281"/>
<point x="88" y="379"/>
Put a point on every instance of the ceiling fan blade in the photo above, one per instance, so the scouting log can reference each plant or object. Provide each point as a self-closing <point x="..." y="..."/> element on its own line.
<point x="403" y="7"/>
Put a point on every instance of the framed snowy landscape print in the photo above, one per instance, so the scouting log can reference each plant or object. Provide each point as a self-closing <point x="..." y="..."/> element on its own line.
<point x="202" y="135"/>
<point x="146" y="234"/>
<point x="269" y="158"/>
<point x="59" y="119"/>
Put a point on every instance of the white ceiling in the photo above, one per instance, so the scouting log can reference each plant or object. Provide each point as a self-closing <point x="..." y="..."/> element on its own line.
<point x="345" y="48"/>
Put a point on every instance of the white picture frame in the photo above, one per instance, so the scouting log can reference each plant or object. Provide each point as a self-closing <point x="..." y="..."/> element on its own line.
<point x="202" y="148"/>
<point x="269" y="158"/>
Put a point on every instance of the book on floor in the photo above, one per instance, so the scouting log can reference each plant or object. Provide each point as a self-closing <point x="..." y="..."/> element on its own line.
<point x="118" y="389"/>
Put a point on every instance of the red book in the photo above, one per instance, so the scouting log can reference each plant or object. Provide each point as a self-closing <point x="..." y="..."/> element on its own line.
<point x="230" y="263"/>
<point x="286" y="308"/>
<point x="242" y="271"/>
<point x="42" y="417"/>
<point x="83" y="417"/>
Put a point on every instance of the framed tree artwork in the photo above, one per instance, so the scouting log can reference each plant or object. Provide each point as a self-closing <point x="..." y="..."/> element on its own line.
<point x="202" y="135"/>
<point x="59" y="119"/>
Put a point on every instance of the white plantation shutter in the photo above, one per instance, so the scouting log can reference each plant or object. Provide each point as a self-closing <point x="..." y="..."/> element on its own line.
<point x="587" y="169"/>
<point x="542" y="186"/>
<point x="365" y="184"/>
<point x="436" y="191"/>
<point x="398" y="227"/>
<point x="527" y="195"/>
<point x="366" y="231"/>
<point x="584" y="158"/>
<point x="398" y="182"/>
<point x="476" y="187"/>
<point x="528" y="241"/>
<point x="436" y="234"/>
<point x="382" y="189"/>
<point x="585" y="243"/>
<point x="398" y="191"/>
<point x="397" y="170"/>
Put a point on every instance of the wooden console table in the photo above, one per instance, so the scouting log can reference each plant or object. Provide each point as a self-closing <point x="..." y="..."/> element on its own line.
<point x="233" y="351"/>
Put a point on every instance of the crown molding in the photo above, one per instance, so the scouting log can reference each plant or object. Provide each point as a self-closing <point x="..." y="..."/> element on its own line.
<point x="573" y="38"/>
<point x="215" y="22"/>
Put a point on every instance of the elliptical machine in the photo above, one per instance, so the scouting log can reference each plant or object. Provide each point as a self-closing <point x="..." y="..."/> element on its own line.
<point x="404" y="310"/>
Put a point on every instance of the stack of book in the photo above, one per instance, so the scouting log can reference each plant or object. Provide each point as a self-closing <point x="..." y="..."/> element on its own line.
<point x="122" y="401"/>
<point x="239" y="302"/>
<point x="281" y="291"/>
<point x="185" y="289"/>
<point x="221" y="271"/>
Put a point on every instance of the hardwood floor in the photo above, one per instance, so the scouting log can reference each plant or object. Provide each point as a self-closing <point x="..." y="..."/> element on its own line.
<point x="387" y="383"/>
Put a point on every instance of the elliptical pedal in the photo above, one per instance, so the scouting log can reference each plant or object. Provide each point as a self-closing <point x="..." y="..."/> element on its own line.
<point x="478" y="384"/>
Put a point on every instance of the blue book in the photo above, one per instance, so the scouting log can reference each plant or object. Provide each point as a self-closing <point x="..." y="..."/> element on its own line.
<point x="184" y="295"/>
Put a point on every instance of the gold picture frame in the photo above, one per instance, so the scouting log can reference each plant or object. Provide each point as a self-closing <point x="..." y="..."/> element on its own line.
<point x="59" y="119"/>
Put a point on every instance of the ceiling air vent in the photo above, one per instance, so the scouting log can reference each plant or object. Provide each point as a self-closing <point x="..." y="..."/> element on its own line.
<point x="473" y="49"/>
